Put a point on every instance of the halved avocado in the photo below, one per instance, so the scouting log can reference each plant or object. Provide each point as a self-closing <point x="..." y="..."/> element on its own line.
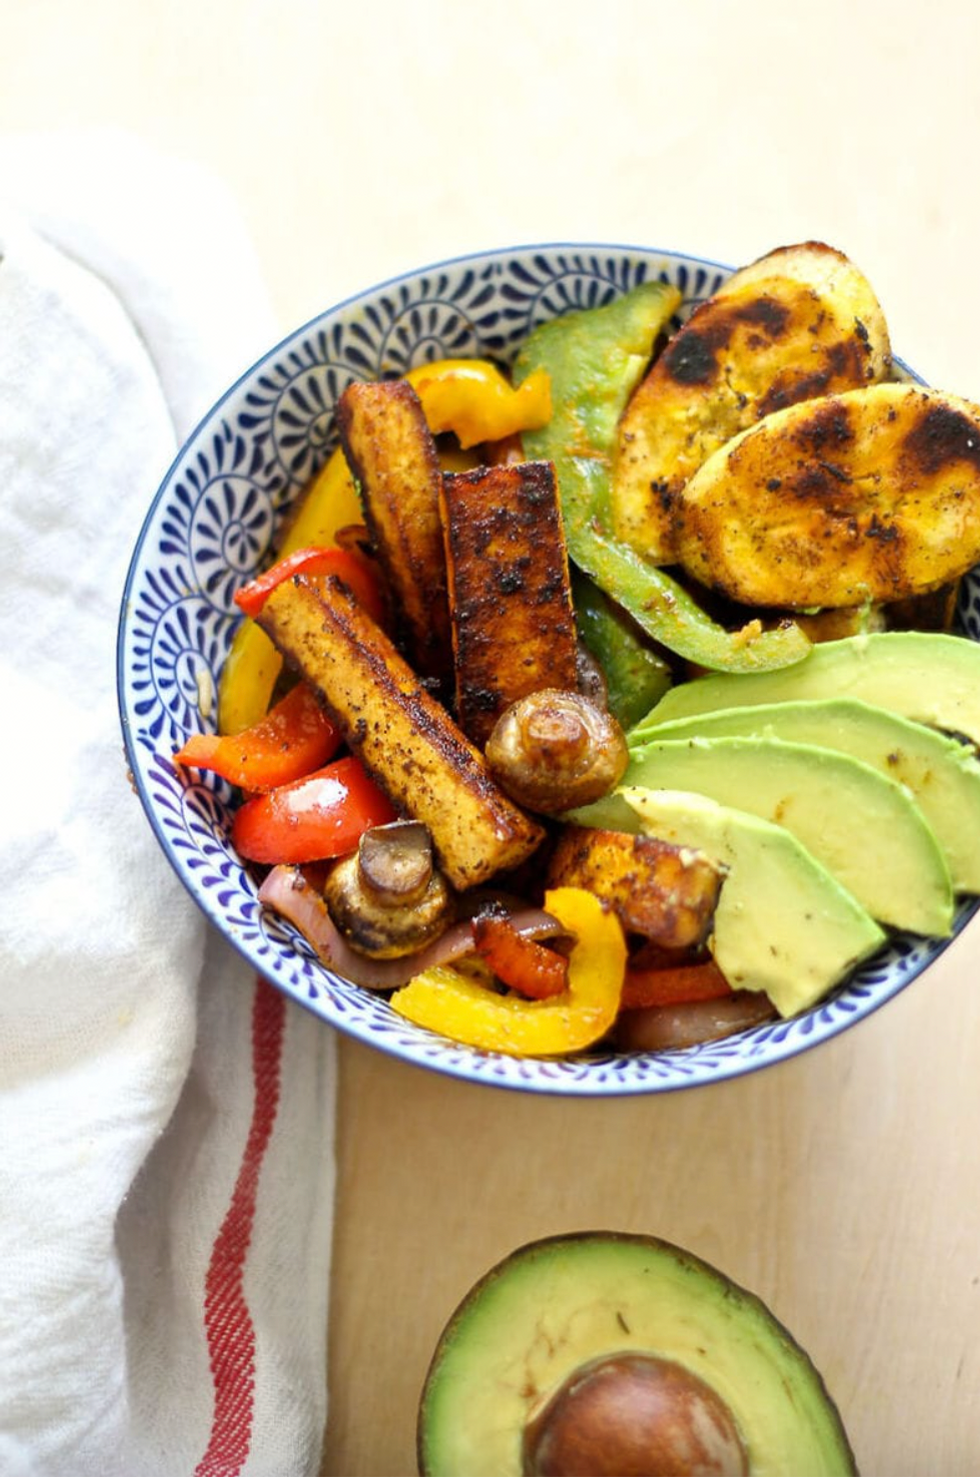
<point x="605" y="1354"/>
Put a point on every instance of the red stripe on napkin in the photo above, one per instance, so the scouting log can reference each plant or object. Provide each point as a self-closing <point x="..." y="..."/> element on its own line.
<point x="227" y="1320"/>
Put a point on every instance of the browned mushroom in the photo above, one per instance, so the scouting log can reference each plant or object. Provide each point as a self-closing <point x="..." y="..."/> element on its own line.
<point x="554" y="750"/>
<point x="388" y="898"/>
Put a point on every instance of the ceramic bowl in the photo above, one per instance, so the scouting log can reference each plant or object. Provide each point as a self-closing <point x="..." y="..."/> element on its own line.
<point x="213" y="522"/>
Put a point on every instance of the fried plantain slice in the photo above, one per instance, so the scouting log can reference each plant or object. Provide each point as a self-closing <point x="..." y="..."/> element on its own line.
<point x="873" y="495"/>
<point x="800" y="322"/>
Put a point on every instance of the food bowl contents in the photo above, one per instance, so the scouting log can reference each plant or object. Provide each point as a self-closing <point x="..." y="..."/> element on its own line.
<point x="611" y="1355"/>
<point x="614" y="698"/>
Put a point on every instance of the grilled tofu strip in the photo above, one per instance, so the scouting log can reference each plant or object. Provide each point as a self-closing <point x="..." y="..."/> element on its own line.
<point x="510" y="597"/>
<point x="393" y="456"/>
<point x="800" y="322"/>
<point x="873" y="495"/>
<point x="665" y="892"/>
<point x="405" y="737"/>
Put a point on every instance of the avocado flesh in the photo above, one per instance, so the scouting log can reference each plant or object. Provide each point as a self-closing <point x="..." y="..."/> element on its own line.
<point x="862" y="826"/>
<point x="558" y="1304"/>
<point x="783" y="923"/>
<point x="929" y="677"/>
<point x="942" y="774"/>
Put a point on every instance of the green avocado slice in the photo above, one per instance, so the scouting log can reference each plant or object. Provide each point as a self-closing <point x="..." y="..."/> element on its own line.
<point x="531" y="1326"/>
<point x="927" y="676"/>
<point x="783" y="923"/>
<point x="862" y="826"/>
<point x="942" y="774"/>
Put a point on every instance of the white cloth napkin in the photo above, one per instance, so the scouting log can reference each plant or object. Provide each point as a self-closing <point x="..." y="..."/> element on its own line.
<point x="166" y="1120"/>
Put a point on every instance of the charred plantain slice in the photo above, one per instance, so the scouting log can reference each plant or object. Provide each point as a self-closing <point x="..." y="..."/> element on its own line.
<point x="800" y="322"/>
<point x="872" y="495"/>
<point x="404" y="736"/>
<point x="393" y="456"/>
<point x="665" y="892"/>
<point x="510" y="598"/>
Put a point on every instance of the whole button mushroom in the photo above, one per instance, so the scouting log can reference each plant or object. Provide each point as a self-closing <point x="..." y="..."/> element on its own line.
<point x="388" y="898"/>
<point x="555" y="749"/>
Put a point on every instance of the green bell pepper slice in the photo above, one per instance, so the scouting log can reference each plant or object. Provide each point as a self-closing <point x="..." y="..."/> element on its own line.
<point x="595" y="358"/>
<point x="637" y="676"/>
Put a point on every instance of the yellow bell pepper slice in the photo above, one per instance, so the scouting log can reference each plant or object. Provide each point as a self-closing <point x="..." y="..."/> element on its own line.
<point x="247" y="679"/>
<point x="474" y="400"/>
<point x="469" y="397"/>
<point x="253" y="664"/>
<point x="445" y="1000"/>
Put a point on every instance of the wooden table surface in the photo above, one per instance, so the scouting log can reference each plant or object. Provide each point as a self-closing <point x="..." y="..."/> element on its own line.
<point x="843" y="1186"/>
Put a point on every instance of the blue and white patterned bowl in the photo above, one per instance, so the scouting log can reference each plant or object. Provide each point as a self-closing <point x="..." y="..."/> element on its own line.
<point x="213" y="521"/>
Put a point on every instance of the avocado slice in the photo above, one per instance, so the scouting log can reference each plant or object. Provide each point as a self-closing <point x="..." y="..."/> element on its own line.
<point x="862" y="826"/>
<point x="942" y="773"/>
<point x="928" y="676"/>
<point x="593" y="1351"/>
<point x="783" y="923"/>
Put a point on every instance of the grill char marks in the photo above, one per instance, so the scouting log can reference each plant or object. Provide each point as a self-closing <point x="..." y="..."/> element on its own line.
<point x="798" y="324"/>
<point x="870" y="496"/>
<point x="510" y="599"/>
<point x="942" y="437"/>
<point x="692" y="356"/>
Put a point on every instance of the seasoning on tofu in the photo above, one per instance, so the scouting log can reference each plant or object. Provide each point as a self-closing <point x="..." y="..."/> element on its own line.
<point x="510" y="596"/>
<point x="404" y="736"/>
<point x="393" y="457"/>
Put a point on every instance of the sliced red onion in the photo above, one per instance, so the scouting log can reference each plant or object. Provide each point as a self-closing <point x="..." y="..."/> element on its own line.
<point x="287" y="892"/>
<point x="672" y="1027"/>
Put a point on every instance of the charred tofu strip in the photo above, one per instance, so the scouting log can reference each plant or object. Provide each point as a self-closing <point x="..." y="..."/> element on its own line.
<point x="392" y="454"/>
<point x="510" y="599"/>
<point x="665" y="892"/>
<point x="403" y="735"/>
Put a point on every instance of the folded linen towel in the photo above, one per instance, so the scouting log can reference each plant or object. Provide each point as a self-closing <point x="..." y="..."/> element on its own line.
<point x="166" y="1120"/>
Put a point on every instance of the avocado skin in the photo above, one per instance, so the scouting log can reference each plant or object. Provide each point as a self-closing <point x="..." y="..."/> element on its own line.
<point x="605" y="1292"/>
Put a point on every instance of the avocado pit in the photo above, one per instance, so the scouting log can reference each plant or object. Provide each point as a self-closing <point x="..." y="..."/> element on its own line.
<point x="633" y="1415"/>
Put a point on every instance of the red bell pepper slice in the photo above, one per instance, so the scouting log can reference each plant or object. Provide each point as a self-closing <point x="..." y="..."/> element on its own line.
<point x="521" y="963"/>
<point x="353" y="568"/>
<point x="320" y="816"/>
<point x="673" y="984"/>
<point x="294" y="738"/>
